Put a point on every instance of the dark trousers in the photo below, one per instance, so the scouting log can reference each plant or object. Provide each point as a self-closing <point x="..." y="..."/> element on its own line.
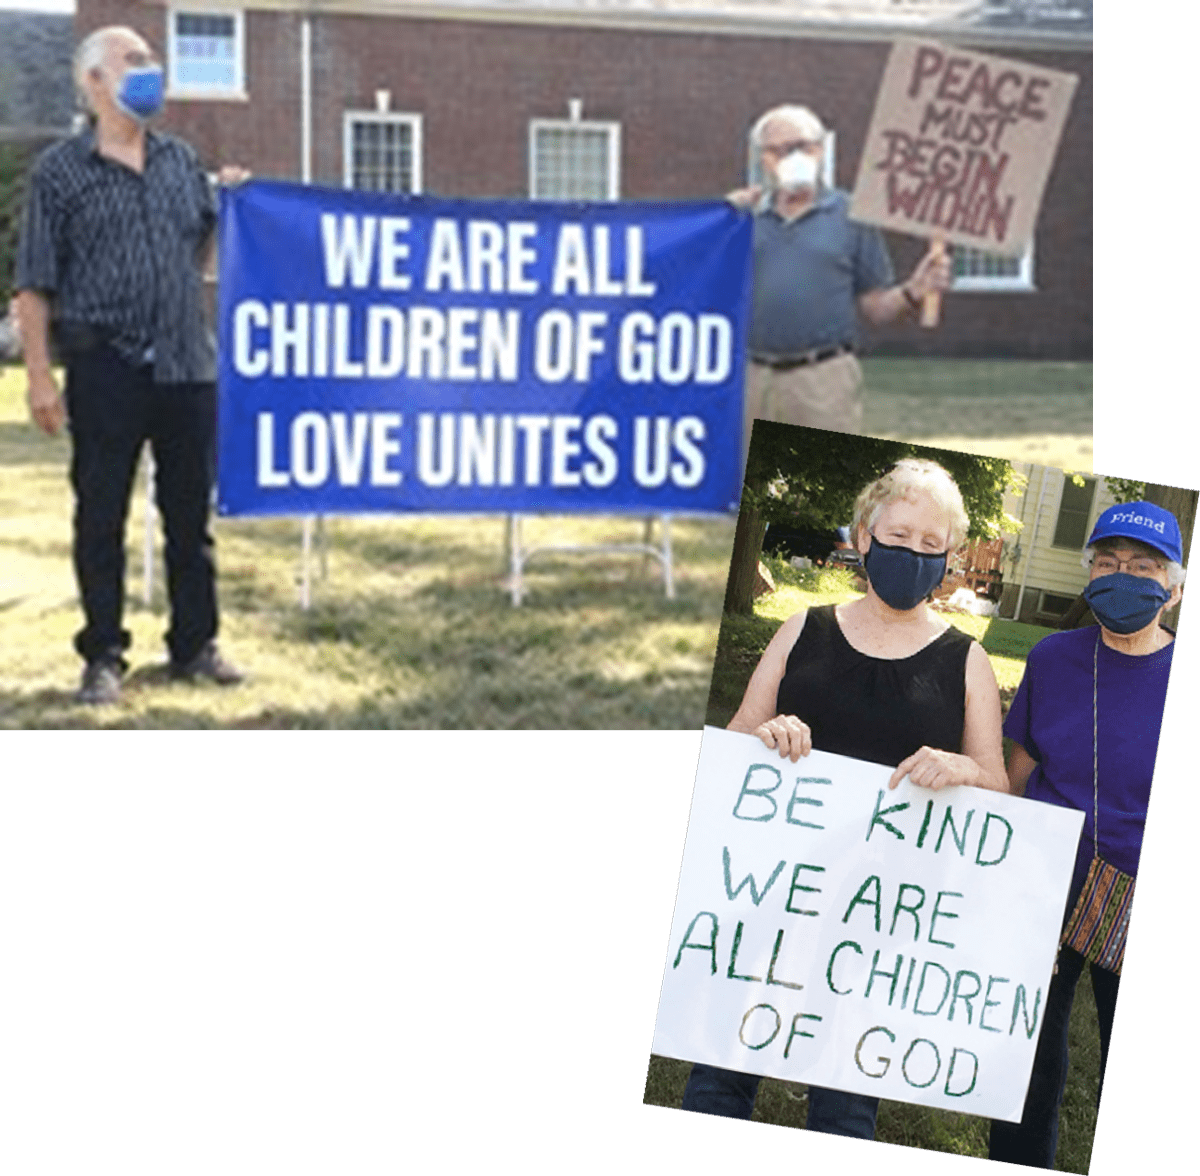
<point x="113" y="408"/>
<point x="1034" y="1140"/>
<point x="714" y="1091"/>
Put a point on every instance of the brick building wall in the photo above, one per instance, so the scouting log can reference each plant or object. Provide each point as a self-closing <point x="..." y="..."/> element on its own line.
<point x="684" y="101"/>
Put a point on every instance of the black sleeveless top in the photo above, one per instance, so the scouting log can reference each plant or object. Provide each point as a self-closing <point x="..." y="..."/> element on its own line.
<point x="877" y="709"/>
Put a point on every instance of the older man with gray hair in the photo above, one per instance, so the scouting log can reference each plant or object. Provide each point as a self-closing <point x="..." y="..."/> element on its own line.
<point x="118" y="223"/>
<point x="815" y="272"/>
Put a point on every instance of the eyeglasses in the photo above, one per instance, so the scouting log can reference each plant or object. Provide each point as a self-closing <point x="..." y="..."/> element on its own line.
<point x="779" y="150"/>
<point x="139" y="59"/>
<point x="1139" y="565"/>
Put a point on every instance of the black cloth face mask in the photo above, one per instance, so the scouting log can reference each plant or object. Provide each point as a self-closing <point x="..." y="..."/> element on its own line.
<point x="901" y="577"/>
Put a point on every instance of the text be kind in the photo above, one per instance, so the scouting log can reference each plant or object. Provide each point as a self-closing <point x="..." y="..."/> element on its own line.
<point x="893" y="955"/>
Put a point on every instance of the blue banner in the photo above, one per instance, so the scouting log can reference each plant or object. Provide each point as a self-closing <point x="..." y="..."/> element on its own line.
<point x="392" y="353"/>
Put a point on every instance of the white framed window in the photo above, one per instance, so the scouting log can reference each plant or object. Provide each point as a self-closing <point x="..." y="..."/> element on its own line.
<point x="1074" y="511"/>
<point x="573" y="159"/>
<point x="976" y="269"/>
<point x="1053" y="604"/>
<point x="206" y="53"/>
<point x="381" y="151"/>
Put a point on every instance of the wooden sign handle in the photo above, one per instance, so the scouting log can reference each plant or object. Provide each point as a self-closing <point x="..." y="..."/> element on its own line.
<point x="931" y="304"/>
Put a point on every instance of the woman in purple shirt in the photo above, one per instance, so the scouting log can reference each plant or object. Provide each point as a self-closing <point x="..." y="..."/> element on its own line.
<point x="1085" y="725"/>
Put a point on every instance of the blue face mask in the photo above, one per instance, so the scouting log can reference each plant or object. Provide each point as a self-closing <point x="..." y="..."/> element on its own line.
<point x="140" y="94"/>
<point x="902" y="578"/>
<point x="1123" y="603"/>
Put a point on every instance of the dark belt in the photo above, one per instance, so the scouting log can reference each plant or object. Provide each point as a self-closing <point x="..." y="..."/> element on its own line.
<point x="74" y="339"/>
<point x="785" y="363"/>
<point x="78" y="338"/>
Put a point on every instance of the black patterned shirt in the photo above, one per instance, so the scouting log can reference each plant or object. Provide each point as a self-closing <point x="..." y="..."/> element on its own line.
<point x="118" y="254"/>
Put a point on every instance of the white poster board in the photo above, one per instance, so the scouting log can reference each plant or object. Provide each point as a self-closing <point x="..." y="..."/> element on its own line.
<point x="830" y="931"/>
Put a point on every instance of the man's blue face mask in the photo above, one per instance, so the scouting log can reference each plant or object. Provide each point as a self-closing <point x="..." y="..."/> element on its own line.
<point x="1124" y="603"/>
<point x="140" y="94"/>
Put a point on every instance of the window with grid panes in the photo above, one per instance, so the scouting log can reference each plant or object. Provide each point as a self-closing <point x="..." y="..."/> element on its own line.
<point x="382" y="152"/>
<point x="1074" y="508"/>
<point x="574" y="160"/>
<point x="976" y="269"/>
<point x="205" y="52"/>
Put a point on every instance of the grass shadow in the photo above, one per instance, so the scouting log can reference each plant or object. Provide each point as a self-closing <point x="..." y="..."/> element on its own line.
<point x="1006" y="638"/>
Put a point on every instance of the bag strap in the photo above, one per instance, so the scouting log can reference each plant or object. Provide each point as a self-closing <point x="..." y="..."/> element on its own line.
<point x="1095" y="752"/>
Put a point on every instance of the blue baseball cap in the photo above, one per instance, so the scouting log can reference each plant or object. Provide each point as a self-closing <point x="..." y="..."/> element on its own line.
<point x="1143" y="521"/>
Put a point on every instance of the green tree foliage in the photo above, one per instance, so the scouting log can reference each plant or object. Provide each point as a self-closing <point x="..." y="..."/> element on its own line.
<point x="810" y="478"/>
<point x="1125" y="489"/>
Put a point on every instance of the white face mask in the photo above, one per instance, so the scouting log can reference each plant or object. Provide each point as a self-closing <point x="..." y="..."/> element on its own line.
<point x="797" y="170"/>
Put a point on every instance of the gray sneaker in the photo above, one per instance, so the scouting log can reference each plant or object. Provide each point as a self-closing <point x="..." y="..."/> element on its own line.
<point x="208" y="663"/>
<point x="101" y="683"/>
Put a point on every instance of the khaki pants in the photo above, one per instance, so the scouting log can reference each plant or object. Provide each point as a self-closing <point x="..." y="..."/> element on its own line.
<point x="825" y="395"/>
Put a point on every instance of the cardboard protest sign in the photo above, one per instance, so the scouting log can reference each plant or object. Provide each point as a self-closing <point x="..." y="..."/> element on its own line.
<point x="960" y="145"/>
<point x="892" y="943"/>
<point x="385" y="353"/>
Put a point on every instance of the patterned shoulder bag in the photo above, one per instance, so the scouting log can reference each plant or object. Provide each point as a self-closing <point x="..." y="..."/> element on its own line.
<point x="1100" y="921"/>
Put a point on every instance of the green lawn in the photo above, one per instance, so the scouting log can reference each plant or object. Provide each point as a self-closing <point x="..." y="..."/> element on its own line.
<point x="412" y="626"/>
<point x="1038" y="412"/>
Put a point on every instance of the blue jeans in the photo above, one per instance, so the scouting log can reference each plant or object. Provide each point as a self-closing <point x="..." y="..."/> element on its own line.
<point x="714" y="1091"/>
<point x="1034" y="1140"/>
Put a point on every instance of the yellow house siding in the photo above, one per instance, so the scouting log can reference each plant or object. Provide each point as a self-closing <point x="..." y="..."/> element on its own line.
<point x="1042" y="566"/>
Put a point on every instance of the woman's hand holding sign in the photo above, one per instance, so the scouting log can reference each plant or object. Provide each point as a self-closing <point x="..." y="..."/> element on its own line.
<point x="930" y="768"/>
<point x="927" y="767"/>
<point x="786" y="734"/>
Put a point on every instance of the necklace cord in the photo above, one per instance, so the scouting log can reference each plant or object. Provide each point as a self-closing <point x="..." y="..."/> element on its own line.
<point x="1095" y="752"/>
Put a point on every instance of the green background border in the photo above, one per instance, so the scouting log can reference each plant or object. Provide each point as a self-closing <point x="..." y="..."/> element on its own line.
<point x="364" y="953"/>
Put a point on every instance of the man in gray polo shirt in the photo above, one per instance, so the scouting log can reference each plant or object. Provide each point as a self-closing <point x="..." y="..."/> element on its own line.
<point x="815" y="272"/>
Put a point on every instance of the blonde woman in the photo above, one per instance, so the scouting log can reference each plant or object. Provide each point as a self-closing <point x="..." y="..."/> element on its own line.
<point x="883" y="679"/>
